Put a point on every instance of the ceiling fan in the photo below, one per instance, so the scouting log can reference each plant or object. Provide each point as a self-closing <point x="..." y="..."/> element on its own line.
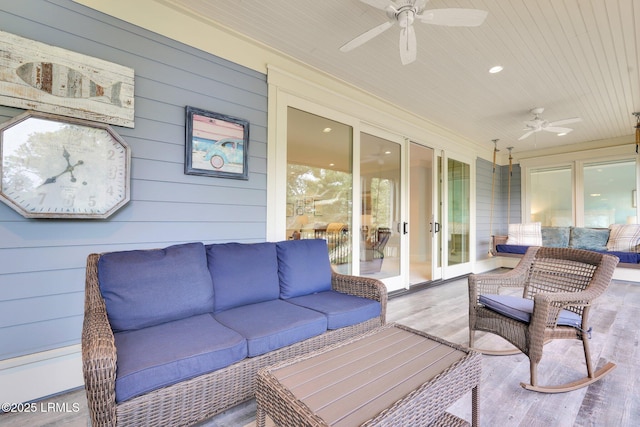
<point x="538" y="124"/>
<point x="404" y="12"/>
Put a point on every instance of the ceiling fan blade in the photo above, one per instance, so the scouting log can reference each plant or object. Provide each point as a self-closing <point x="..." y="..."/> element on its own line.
<point x="378" y="4"/>
<point x="565" y="121"/>
<point x="556" y="129"/>
<point x="453" y="17"/>
<point x="526" y="135"/>
<point x="366" y="36"/>
<point x="407" y="45"/>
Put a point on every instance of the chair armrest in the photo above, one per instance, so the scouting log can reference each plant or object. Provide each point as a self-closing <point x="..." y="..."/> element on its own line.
<point x="547" y="307"/>
<point x="364" y="287"/>
<point x="492" y="282"/>
<point x="549" y="304"/>
<point x="98" y="352"/>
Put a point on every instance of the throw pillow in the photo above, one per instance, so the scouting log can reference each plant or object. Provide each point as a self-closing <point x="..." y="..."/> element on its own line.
<point x="525" y="234"/>
<point x="592" y="239"/>
<point x="624" y="238"/>
<point x="555" y="237"/>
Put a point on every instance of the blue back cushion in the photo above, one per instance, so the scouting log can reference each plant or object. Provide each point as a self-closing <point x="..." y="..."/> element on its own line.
<point x="589" y="238"/>
<point x="243" y="273"/>
<point x="143" y="288"/>
<point x="555" y="237"/>
<point x="303" y="267"/>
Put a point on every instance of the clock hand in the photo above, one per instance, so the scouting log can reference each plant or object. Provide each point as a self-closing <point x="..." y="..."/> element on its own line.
<point x="69" y="169"/>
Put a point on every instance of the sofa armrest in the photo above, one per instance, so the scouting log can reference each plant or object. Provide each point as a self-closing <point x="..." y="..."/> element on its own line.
<point x="364" y="287"/>
<point x="98" y="352"/>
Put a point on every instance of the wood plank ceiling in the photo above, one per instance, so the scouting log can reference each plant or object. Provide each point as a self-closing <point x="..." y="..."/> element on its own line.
<point x="575" y="58"/>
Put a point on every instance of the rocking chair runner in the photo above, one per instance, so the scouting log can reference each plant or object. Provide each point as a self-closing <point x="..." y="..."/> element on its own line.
<point x="558" y="287"/>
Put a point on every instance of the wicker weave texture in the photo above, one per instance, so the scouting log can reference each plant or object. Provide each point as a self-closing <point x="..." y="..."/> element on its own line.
<point x="199" y="398"/>
<point x="555" y="279"/>
<point x="424" y="405"/>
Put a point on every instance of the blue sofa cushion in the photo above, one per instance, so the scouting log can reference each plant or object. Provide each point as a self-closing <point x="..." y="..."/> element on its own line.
<point x="341" y="309"/>
<point x="273" y="324"/>
<point x="555" y="237"/>
<point x="627" y="257"/>
<point x="521" y="308"/>
<point x="589" y="238"/>
<point x="243" y="273"/>
<point x="512" y="249"/>
<point x="143" y="288"/>
<point x="303" y="267"/>
<point x="166" y="354"/>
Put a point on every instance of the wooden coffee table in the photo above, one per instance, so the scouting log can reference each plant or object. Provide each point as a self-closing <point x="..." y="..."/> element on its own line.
<point x="391" y="376"/>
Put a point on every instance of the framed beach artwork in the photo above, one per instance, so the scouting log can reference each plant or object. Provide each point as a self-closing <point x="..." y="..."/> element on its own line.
<point x="216" y="145"/>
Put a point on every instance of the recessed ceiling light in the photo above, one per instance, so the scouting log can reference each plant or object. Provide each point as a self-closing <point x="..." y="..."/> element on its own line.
<point x="326" y="130"/>
<point x="562" y="134"/>
<point x="496" y="69"/>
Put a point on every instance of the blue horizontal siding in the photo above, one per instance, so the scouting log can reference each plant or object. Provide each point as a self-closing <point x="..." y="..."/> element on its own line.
<point x="42" y="261"/>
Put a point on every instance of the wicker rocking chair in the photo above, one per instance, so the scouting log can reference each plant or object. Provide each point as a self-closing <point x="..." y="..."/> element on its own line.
<point x="558" y="287"/>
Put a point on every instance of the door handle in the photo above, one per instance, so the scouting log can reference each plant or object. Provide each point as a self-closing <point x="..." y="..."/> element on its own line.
<point x="437" y="227"/>
<point x="405" y="227"/>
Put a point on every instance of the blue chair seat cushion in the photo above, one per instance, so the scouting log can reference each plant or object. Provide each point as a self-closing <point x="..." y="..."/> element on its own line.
<point x="161" y="355"/>
<point x="521" y="309"/>
<point x="341" y="309"/>
<point x="270" y="325"/>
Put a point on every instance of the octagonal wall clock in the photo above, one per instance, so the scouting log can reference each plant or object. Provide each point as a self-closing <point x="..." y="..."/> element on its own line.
<point x="62" y="167"/>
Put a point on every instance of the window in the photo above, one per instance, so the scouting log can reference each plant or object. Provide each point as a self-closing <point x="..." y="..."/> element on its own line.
<point x="609" y="193"/>
<point x="583" y="192"/>
<point x="551" y="196"/>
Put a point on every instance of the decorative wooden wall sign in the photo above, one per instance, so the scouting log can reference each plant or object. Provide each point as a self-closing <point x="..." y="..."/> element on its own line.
<point x="37" y="76"/>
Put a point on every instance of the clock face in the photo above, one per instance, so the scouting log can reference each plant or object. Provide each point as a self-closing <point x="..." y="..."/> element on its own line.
<point x="63" y="168"/>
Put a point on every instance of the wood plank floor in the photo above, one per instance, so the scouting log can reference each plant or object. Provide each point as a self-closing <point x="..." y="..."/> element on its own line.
<point x="442" y="311"/>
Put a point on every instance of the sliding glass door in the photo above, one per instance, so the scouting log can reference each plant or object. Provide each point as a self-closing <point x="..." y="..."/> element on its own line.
<point x="382" y="227"/>
<point x="458" y="249"/>
<point x="388" y="208"/>
<point x="424" y="215"/>
<point x="320" y="184"/>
